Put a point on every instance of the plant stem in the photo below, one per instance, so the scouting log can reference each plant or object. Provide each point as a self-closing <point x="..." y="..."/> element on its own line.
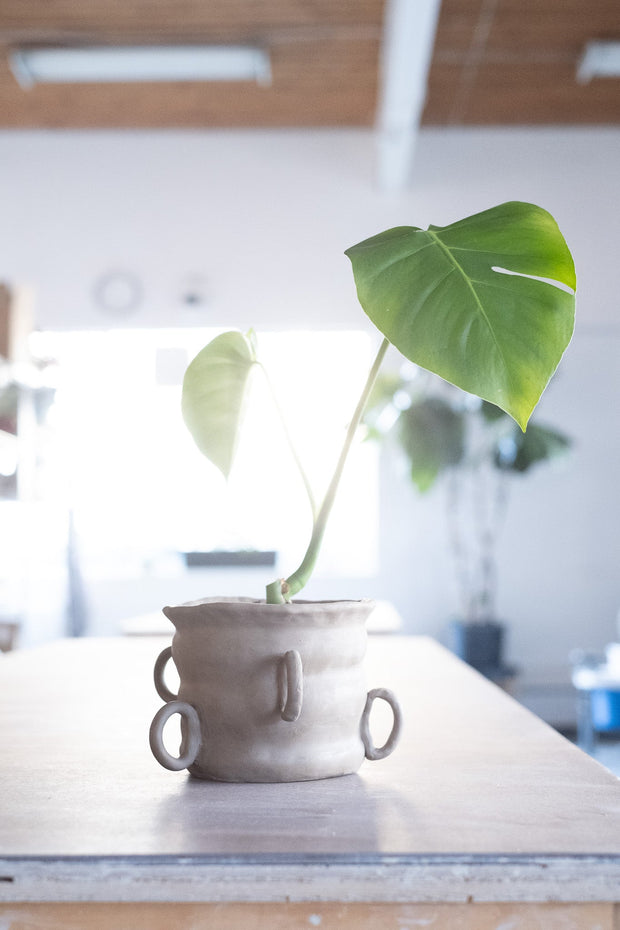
<point x="280" y="591"/>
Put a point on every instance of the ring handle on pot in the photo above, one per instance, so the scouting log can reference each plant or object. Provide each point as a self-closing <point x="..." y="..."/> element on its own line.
<point x="191" y="740"/>
<point x="158" y="675"/>
<point x="373" y="752"/>
<point x="291" y="685"/>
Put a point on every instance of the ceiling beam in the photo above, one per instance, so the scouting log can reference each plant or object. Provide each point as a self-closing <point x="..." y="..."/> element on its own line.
<point x="408" y="40"/>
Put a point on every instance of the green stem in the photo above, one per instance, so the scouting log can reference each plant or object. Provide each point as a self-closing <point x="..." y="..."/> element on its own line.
<point x="282" y="590"/>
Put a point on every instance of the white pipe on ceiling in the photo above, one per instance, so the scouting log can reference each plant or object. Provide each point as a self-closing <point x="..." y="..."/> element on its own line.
<point x="408" y="40"/>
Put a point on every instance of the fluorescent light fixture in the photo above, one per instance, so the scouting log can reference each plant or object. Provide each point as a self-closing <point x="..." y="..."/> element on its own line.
<point x="103" y="64"/>
<point x="600" y="59"/>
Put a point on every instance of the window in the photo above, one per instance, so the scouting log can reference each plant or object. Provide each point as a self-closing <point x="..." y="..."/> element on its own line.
<point x="126" y="466"/>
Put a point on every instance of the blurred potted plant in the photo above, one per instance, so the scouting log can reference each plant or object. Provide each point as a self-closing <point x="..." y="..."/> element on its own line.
<point x="476" y="449"/>
<point x="273" y="690"/>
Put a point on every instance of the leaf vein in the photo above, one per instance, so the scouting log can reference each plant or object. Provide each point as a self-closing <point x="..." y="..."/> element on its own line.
<point x="470" y="284"/>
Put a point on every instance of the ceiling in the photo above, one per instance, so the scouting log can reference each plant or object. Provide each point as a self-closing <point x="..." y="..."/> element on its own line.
<point x="494" y="62"/>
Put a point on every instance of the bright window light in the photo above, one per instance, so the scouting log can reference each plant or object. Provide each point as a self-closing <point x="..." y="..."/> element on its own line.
<point x="126" y="465"/>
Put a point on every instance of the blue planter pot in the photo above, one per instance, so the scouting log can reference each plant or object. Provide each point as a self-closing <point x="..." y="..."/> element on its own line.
<point x="481" y="645"/>
<point x="605" y="709"/>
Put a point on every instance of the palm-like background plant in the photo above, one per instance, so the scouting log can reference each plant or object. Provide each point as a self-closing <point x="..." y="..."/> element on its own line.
<point x="476" y="449"/>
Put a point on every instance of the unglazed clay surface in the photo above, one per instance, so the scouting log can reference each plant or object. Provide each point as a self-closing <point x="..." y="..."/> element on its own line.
<point x="279" y="690"/>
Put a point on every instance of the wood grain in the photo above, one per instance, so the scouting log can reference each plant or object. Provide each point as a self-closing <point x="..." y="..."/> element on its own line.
<point x="328" y="81"/>
<point x="535" y="92"/>
<point x="308" y="917"/>
<point x="503" y="62"/>
<point x="495" y="62"/>
<point x="553" y="28"/>
<point x="146" y="18"/>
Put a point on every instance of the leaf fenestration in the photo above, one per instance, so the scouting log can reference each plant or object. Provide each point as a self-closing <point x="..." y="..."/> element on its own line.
<point x="435" y="294"/>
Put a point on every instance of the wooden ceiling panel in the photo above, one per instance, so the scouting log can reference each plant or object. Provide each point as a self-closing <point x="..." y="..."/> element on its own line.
<point x="508" y="62"/>
<point x="444" y="81"/>
<point x="534" y="94"/>
<point x="188" y="18"/>
<point x="456" y="27"/>
<point x="553" y="27"/>
<point x="495" y="62"/>
<point x="315" y="83"/>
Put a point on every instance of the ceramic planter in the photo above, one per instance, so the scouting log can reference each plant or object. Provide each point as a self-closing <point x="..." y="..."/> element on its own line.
<point x="269" y="693"/>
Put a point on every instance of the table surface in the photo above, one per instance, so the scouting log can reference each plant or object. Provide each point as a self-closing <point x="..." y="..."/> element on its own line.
<point x="479" y="795"/>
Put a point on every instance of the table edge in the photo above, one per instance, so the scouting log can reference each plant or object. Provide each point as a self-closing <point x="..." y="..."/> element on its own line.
<point x="272" y="878"/>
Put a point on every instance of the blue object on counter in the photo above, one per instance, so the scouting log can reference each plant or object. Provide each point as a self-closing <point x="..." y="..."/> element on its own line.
<point x="605" y="709"/>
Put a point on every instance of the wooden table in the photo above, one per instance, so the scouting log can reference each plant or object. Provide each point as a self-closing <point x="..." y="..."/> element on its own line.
<point x="482" y="818"/>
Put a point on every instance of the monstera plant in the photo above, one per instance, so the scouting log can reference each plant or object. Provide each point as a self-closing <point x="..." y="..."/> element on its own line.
<point x="486" y="303"/>
<point x="474" y="449"/>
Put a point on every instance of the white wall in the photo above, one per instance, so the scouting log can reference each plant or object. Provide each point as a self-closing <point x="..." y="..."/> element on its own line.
<point x="264" y="218"/>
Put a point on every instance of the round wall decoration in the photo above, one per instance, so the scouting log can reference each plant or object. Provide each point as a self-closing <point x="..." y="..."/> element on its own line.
<point x="118" y="292"/>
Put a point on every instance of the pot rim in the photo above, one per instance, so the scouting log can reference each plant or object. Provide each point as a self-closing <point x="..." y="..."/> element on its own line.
<point x="261" y="602"/>
<point x="233" y="607"/>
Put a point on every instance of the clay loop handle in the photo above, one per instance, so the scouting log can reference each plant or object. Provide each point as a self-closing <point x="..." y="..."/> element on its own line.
<point x="291" y="685"/>
<point x="373" y="752"/>
<point x="158" y="675"/>
<point x="191" y="739"/>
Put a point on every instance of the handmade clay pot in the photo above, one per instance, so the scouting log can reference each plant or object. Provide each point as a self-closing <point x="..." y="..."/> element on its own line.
<point x="269" y="693"/>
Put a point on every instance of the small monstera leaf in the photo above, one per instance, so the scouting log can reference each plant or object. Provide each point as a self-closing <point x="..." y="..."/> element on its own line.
<point x="466" y="300"/>
<point x="214" y="390"/>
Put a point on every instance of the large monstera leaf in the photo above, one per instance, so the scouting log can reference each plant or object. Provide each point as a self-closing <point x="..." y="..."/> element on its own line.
<point x="465" y="301"/>
<point x="214" y="391"/>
